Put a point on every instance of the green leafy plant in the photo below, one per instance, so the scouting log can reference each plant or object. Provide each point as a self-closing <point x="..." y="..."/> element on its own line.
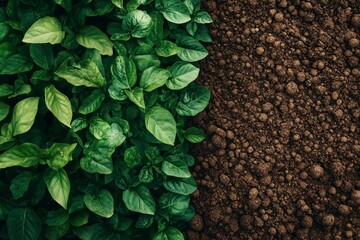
<point x="94" y="101"/>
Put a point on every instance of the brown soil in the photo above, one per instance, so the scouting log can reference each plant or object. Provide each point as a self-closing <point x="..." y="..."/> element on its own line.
<point x="282" y="160"/>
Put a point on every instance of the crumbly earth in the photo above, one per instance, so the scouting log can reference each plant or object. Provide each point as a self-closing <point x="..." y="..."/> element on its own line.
<point x="282" y="158"/>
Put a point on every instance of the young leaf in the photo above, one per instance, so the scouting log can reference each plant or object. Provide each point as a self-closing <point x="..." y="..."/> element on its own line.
<point x="153" y="78"/>
<point x="118" y="3"/>
<point x="192" y="5"/>
<point x="182" y="73"/>
<point x="42" y="55"/>
<point x="23" y="116"/>
<point x="92" y="102"/>
<point x="4" y="110"/>
<point x="79" y="218"/>
<point x="20" y="184"/>
<point x="170" y="233"/>
<point x="23" y="223"/>
<point x="167" y="48"/>
<point x="174" y="166"/>
<point x="144" y="221"/>
<point x="139" y="199"/>
<point x="160" y="123"/>
<point x="194" y="135"/>
<point x="146" y="175"/>
<point x="97" y="163"/>
<point x="138" y="23"/>
<point x="66" y="4"/>
<point x="92" y="37"/>
<point x="175" y="11"/>
<point x="100" y="202"/>
<point x="123" y="73"/>
<point x="45" y="30"/>
<point x="59" y="155"/>
<point x="136" y="96"/>
<point x="193" y="101"/>
<point x="203" y="17"/>
<point x="58" y="185"/>
<point x="59" y="104"/>
<point x="87" y="74"/>
<point x="191" y="28"/>
<point x="6" y="90"/>
<point x="174" y="204"/>
<point x="183" y="186"/>
<point x="132" y="156"/>
<point x="25" y="155"/>
<point x="191" y="49"/>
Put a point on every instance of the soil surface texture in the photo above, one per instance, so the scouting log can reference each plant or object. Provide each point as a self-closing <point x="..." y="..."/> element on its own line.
<point x="282" y="158"/>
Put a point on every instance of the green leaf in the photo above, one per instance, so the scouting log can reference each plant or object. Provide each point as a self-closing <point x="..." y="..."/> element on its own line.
<point x="4" y="110"/>
<point x="191" y="28"/>
<point x="92" y="102"/>
<point x="132" y="156"/>
<point x="174" y="204"/>
<point x="183" y="186"/>
<point x="58" y="185"/>
<point x="192" y="5"/>
<point x="97" y="163"/>
<point x="138" y="23"/>
<point x="153" y="78"/>
<point x="57" y="217"/>
<point x="56" y="232"/>
<point x="182" y="73"/>
<point x="194" y="135"/>
<point x="24" y="155"/>
<point x="191" y="49"/>
<point x="175" y="166"/>
<point x="14" y="64"/>
<point x="123" y="72"/>
<point x="136" y="96"/>
<point x="170" y="233"/>
<point x="146" y="175"/>
<point x="86" y="73"/>
<point x="59" y="155"/>
<point x="118" y="3"/>
<point x="100" y="202"/>
<point x="144" y="221"/>
<point x="40" y="76"/>
<point x="45" y="30"/>
<point x="193" y="101"/>
<point x="66" y="4"/>
<point x="20" y="88"/>
<point x="20" y="184"/>
<point x="59" y="104"/>
<point x="42" y="55"/>
<point x="99" y="127"/>
<point x="160" y="123"/>
<point x="139" y="199"/>
<point x="203" y="17"/>
<point x="166" y="48"/>
<point x="24" y="224"/>
<point x="92" y="37"/>
<point x="175" y="11"/>
<point x="157" y="31"/>
<point x="79" y="218"/>
<point x="5" y="90"/>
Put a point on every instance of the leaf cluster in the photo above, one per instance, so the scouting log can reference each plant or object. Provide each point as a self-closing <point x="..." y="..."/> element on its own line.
<point x="94" y="101"/>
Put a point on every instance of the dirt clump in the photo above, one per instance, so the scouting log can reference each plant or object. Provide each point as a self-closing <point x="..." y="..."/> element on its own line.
<point x="282" y="160"/>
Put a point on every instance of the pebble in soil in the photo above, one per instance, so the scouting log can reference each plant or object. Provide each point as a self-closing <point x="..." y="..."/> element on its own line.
<point x="282" y="157"/>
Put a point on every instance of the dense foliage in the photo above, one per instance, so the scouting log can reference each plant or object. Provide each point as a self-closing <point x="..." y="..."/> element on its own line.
<point x="94" y="101"/>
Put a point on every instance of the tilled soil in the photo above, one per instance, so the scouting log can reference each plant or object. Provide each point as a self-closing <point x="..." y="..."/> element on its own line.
<point x="282" y="157"/>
